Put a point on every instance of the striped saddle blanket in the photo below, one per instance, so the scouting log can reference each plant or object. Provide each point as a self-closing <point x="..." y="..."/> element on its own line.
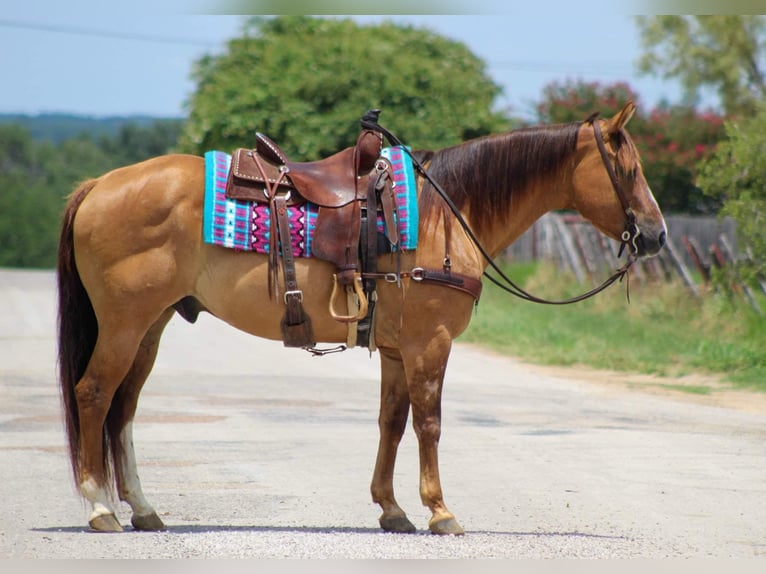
<point x="246" y="226"/>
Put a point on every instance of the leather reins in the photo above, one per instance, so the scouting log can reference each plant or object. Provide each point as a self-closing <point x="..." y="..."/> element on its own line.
<point x="629" y="235"/>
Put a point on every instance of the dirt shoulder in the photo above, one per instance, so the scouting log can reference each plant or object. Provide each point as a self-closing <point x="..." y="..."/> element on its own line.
<point x="702" y="389"/>
<point x="709" y="390"/>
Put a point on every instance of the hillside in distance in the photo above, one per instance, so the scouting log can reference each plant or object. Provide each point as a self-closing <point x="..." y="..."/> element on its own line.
<point x="57" y="127"/>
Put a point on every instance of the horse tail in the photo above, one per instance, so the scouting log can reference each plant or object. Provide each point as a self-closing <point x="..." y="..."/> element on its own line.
<point x="77" y="324"/>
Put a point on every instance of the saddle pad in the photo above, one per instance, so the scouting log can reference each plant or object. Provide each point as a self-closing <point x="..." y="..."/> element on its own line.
<point x="406" y="195"/>
<point x="246" y="226"/>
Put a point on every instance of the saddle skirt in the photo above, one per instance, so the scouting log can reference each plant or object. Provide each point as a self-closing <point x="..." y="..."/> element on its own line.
<point x="246" y="226"/>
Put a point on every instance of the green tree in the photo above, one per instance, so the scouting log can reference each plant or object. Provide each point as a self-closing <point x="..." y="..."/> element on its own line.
<point x="723" y="53"/>
<point x="306" y="81"/>
<point x="736" y="173"/>
<point x="28" y="212"/>
<point x="35" y="178"/>
<point x="671" y="139"/>
<point x="134" y="142"/>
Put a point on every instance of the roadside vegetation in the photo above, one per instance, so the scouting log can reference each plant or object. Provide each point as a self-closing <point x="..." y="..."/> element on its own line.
<point x="662" y="331"/>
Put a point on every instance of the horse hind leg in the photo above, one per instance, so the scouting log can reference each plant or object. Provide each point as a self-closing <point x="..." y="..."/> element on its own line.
<point x="394" y="408"/>
<point x="120" y="420"/>
<point x="102" y="419"/>
<point x="112" y="358"/>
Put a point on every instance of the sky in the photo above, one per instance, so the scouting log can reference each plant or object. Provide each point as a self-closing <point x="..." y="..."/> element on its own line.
<point x="121" y="58"/>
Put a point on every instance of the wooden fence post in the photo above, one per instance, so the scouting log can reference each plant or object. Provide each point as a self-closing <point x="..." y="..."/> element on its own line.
<point x="680" y="267"/>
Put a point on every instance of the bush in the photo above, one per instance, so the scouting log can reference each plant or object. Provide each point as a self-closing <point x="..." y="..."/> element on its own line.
<point x="735" y="175"/>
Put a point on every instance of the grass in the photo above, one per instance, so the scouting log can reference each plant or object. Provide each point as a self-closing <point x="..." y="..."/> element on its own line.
<point x="663" y="330"/>
<point x="690" y="389"/>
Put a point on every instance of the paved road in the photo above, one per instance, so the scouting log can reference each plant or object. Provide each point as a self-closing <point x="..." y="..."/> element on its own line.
<point x="245" y="457"/>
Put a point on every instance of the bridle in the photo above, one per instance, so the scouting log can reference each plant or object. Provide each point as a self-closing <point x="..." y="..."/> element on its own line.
<point x="631" y="232"/>
<point x="629" y="236"/>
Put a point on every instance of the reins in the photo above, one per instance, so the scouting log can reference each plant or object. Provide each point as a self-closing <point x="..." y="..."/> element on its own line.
<point x="629" y="235"/>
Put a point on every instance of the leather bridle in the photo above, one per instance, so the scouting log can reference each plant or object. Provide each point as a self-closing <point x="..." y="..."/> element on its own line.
<point x="628" y="237"/>
<point x="631" y="232"/>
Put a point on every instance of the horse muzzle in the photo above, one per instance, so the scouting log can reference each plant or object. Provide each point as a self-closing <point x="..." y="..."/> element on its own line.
<point x="649" y="241"/>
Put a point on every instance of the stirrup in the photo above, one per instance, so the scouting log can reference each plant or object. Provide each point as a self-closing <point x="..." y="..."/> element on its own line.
<point x="359" y="293"/>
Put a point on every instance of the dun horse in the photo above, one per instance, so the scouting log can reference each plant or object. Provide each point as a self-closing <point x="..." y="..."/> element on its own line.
<point x="132" y="250"/>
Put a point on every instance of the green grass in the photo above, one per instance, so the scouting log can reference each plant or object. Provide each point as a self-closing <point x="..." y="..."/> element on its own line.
<point x="690" y="389"/>
<point x="663" y="330"/>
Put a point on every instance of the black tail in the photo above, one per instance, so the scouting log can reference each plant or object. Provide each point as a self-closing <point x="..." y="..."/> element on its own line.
<point x="77" y="325"/>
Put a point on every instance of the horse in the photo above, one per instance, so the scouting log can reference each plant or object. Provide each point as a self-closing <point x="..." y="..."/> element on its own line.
<point x="131" y="254"/>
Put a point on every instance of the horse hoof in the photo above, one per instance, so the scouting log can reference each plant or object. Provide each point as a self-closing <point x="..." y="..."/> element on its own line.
<point x="150" y="522"/>
<point x="399" y="524"/>
<point x="105" y="523"/>
<point x="446" y="526"/>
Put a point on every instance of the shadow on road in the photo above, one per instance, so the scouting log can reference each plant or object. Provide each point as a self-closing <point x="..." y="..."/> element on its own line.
<point x="208" y="528"/>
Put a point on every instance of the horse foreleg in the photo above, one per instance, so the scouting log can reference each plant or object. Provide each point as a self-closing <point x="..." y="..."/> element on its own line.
<point x="123" y="411"/>
<point x="425" y="366"/>
<point x="394" y="407"/>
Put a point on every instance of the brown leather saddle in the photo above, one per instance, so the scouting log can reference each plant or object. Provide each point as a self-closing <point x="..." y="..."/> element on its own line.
<point x="329" y="182"/>
<point x="342" y="185"/>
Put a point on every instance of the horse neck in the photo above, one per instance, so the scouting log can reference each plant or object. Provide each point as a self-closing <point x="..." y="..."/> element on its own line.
<point x="538" y="198"/>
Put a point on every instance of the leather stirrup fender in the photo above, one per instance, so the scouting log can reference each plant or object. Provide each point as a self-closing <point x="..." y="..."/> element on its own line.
<point x="357" y="283"/>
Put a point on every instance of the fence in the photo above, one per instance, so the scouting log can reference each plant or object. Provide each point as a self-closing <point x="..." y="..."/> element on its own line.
<point x="694" y="244"/>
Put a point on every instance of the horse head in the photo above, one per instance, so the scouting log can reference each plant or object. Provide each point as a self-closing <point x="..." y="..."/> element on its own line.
<point x="609" y="188"/>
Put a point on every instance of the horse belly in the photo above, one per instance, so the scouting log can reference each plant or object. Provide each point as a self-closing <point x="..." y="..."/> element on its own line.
<point x="234" y="286"/>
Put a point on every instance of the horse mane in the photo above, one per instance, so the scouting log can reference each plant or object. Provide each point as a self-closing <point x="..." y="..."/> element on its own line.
<point x="485" y="174"/>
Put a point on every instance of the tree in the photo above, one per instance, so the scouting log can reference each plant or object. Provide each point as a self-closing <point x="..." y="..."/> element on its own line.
<point x="135" y="142"/>
<point x="28" y="220"/>
<point x="671" y="139"/>
<point x="36" y="177"/>
<point x="575" y="100"/>
<point x="736" y="173"/>
<point x="306" y="81"/>
<point x="724" y="53"/>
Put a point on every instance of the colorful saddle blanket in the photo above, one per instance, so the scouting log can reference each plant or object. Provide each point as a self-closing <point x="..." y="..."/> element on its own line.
<point x="246" y="226"/>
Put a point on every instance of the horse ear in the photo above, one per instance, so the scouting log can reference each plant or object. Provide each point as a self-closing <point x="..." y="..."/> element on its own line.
<point x="616" y="123"/>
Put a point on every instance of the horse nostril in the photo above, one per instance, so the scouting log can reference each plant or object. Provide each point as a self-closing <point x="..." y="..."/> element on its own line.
<point x="661" y="238"/>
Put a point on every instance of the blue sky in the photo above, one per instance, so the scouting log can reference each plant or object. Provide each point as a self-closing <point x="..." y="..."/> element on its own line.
<point x="104" y="58"/>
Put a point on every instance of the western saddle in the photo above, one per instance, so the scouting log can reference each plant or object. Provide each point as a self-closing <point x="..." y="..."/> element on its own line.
<point x="344" y="186"/>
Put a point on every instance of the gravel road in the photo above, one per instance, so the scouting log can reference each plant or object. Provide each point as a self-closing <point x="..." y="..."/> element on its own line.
<point x="247" y="449"/>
